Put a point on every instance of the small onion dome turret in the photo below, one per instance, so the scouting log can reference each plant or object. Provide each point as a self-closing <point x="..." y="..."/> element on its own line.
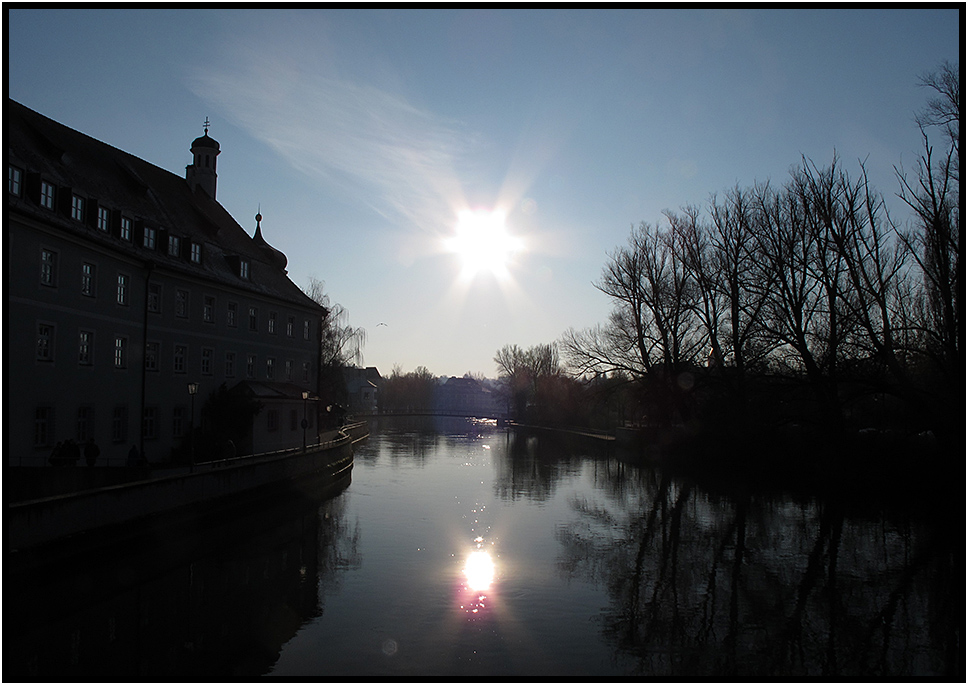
<point x="275" y="257"/>
<point x="205" y="141"/>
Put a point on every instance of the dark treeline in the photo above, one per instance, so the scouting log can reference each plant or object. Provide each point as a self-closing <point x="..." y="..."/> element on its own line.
<point x="803" y="303"/>
<point x="411" y="392"/>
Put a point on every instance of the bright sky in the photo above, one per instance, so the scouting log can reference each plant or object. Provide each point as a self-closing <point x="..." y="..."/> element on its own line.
<point x="379" y="142"/>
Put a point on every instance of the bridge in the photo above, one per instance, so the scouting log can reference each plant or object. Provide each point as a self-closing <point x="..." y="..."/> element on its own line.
<point x="500" y="418"/>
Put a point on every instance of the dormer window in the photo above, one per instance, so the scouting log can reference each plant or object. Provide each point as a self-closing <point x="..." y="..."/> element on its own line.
<point x="15" y="179"/>
<point x="151" y="236"/>
<point x="125" y="228"/>
<point x="103" y="219"/>
<point x="174" y="245"/>
<point x="46" y="195"/>
<point x="77" y="208"/>
<point x="238" y="265"/>
<point x="196" y="253"/>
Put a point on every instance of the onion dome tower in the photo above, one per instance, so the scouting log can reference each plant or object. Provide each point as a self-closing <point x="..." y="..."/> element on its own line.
<point x="201" y="172"/>
<point x="275" y="257"/>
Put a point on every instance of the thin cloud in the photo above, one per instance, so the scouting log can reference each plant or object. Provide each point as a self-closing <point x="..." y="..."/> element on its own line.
<point x="365" y="141"/>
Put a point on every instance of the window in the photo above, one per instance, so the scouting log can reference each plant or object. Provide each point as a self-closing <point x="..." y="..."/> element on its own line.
<point x="149" y="425"/>
<point x="272" y="322"/>
<point x="306" y="329"/>
<point x="290" y="325"/>
<point x="119" y="424"/>
<point x="43" y="426"/>
<point x="272" y="420"/>
<point x="293" y="419"/>
<point x="122" y="289"/>
<point x="208" y="309"/>
<point x="45" y="342"/>
<point x="197" y="253"/>
<point x="231" y="315"/>
<point x="48" y="267"/>
<point x="270" y="368"/>
<point x="46" y="195"/>
<point x="305" y="372"/>
<point x="120" y="352"/>
<point x="126" y="228"/>
<point x="85" y="347"/>
<point x="174" y="245"/>
<point x="15" y="180"/>
<point x="150" y="237"/>
<point x="103" y="219"/>
<point x="289" y="369"/>
<point x="85" y="423"/>
<point x="181" y="304"/>
<point x="207" y="355"/>
<point x="151" y="356"/>
<point x="154" y="297"/>
<point x="250" y="366"/>
<point x="181" y="351"/>
<point x="78" y="204"/>
<point x="178" y="421"/>
<point x="87" y="279"/>
<point x="253" y="319"/>
<point x="244" y="269"/>
<point x="77" y="208"/>
<point x="230" y="364"/>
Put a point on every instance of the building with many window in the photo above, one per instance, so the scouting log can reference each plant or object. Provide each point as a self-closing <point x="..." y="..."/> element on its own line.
<point x="125" y="283"/>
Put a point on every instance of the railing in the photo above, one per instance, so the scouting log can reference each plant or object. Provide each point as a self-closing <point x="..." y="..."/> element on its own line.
<point x="344" y="438"/>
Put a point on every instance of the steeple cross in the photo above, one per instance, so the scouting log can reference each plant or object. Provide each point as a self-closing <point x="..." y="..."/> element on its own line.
<point x="206" y="125"/>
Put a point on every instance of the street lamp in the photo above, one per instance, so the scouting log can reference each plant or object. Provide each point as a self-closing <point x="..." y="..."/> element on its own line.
<point x="192" y="390"/>
<point x="305" y="423"/>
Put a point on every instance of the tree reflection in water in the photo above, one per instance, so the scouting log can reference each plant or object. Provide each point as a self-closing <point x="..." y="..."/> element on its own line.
<point x="748" y="586"/>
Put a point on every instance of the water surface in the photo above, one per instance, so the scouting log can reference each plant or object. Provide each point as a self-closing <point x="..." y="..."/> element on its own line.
<point x="463" y="550"/>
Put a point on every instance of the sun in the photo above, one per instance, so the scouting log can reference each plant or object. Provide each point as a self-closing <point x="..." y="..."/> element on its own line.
<point x="482" y="243"/>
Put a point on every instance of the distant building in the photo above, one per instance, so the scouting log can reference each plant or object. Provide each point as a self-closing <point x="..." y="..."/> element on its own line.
<point x="125" y="283"/>
<point x="467" y="397"/>
<point x="362" y="386"/>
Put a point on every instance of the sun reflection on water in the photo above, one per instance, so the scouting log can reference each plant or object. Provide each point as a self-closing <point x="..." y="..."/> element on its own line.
<point x="479" y="572"/>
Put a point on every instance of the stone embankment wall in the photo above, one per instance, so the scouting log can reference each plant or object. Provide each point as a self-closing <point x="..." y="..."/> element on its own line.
<point x="41" y="521"/>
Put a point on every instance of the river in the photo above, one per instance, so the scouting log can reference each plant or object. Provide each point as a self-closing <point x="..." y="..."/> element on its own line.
<point x="460" y="549"/>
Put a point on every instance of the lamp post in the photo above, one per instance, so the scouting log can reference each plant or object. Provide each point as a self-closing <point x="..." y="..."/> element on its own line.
<point x="305" y="423"/>
<point x="192" y="390"/>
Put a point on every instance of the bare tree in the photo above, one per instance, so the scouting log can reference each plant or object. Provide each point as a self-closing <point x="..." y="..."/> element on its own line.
<point x="653" y="296"/>
<point x="733" y="239"/>
<point x="622" y="280"/>
<point x="341" y="344"/>
<point x="653" y="332"/>
<point x="703" y="266"/>
<point x="937" y="244"/>
<point x="874" y="296"/>
<point x="524" y="371"/>
<point x="796" y="307"/>
<point x="944" y="109"/>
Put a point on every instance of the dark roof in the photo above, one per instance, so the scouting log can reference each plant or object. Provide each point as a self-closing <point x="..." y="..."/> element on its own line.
<point x="144" y="192"/>
<point x="454" y="382"/>
<point x="205" y="141"/>
<point x="272" y="390"/>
